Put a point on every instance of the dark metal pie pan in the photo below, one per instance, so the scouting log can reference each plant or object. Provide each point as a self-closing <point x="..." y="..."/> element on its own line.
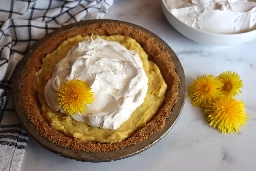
<point x="97" y="156"/>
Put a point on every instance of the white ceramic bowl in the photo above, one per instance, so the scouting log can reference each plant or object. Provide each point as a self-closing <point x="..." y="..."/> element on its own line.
<point x="207" y="37"/>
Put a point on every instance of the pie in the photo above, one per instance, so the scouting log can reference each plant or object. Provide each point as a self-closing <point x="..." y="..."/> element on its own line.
<point x="32" y="102"/>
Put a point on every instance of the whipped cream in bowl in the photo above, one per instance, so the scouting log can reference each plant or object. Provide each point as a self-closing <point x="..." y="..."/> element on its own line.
<point x="213" y="22"/>
<point x="116" y="77"/>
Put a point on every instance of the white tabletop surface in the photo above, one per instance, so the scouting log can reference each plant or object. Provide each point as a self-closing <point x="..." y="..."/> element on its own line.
<point x="191" y="144"/>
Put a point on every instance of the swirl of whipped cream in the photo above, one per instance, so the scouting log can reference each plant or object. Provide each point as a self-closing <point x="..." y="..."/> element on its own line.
<point x="115" y="74"/>
<point x="216" y="16"/>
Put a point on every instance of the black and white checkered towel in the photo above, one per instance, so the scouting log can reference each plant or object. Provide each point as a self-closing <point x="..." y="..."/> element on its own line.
<point x="22" y="23"/>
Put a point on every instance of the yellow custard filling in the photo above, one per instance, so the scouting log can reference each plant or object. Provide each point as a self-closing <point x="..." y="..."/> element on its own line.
<point x="139" y="118"/>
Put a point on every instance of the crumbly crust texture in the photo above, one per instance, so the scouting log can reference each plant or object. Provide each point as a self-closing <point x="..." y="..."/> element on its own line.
<point x="156" y="53"/>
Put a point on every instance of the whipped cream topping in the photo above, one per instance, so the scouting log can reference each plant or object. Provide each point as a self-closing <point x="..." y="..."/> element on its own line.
<point x="216" y="16"/>
<point x="115" y="74"/>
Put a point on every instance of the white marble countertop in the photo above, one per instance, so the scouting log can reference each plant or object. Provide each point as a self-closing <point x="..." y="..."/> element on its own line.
<point x="191" y="144"/>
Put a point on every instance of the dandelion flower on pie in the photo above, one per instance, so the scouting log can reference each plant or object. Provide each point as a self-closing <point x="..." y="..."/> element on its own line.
<point x="204" y="89"/>
<point x="74" y="95"/>
<point x="232" y="83"/>
<point x="226" y="114"/>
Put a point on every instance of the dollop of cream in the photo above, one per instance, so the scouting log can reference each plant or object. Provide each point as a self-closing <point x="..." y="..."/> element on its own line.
<point x="115" y="74"/>
<point x="216" y="16"/>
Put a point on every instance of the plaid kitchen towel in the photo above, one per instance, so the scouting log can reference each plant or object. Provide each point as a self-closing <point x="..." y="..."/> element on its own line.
<point x="22" y="23"/>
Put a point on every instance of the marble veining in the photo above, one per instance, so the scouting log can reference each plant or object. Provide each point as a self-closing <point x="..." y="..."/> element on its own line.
<point x="226" y="156"/>
<point x="191" y="145"/>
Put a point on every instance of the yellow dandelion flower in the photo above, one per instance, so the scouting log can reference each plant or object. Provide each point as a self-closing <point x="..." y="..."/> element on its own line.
<point x="226" y="114"/>
<point x="232" y="83"/>
<point x="203" y="90"/>
<point x="73" y="96"/>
